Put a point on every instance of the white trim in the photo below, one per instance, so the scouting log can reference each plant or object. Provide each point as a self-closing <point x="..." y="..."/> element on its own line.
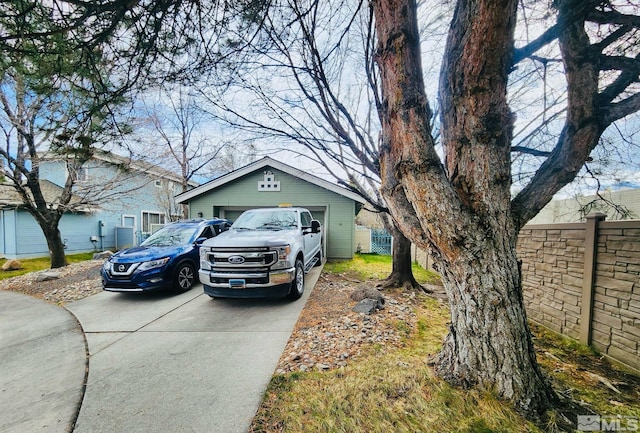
<point x="151" y="212"/>
<point x="266" y="162"/>
<point x="135" y="220"/>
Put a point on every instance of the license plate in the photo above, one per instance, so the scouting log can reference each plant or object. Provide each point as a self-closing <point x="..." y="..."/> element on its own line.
<point x="237" y="284"/>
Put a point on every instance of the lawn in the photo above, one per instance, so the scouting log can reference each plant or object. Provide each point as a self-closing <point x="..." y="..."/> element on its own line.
<point x="395" y="390"/>
<point x="40" y="264"/>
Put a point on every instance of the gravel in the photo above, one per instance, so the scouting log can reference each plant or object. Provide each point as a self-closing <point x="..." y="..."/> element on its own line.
<point x="328" y="334"/>
<point x="75" y="281"/>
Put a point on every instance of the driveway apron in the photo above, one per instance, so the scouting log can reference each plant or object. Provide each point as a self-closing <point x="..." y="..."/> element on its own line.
<point x="182" y="363"/>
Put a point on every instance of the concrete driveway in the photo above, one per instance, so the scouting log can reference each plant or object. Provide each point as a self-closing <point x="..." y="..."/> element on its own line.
<point x="182" y="363"/>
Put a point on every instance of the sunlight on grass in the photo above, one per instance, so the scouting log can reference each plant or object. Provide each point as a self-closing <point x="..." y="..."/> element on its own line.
<point x="395" y="390"/>
<point x="40" y="264"/>
<point x="385" y="392"/>
<point x="375" y="266"/>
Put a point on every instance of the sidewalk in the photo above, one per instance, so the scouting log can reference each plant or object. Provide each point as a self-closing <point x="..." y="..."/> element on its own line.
<point x="43" y="360"/>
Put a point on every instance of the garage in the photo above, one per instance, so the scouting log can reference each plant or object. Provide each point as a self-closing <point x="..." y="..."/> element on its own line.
<point x="268" y="182"/>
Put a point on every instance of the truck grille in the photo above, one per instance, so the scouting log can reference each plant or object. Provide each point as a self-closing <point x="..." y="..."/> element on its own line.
<point x="245" y="260"/>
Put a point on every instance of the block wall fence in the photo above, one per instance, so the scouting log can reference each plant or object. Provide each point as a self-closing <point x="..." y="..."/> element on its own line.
<point x="582" y="280"/>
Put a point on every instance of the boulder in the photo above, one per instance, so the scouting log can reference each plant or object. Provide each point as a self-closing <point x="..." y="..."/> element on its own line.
<point x="11" y="265"/>
<point x="368" y="306"/>
<point x="102" y="256"/>
<point x="48" y="276"/>
<point x="366" y="293"/>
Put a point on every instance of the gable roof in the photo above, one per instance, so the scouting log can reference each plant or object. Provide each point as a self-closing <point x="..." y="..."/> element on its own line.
<point x="10" y="198"/>
<point x="139" y="165"/>
<point x="260" y="164"/>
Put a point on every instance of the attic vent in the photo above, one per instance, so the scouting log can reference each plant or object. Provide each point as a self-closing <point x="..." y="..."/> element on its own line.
<point x="269" y="183"/>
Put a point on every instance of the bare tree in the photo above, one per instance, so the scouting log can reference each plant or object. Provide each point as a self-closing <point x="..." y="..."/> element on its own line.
<point x="68" y="65"/>
<point x="47" y="103"/>
<point x="303" y="92"/>
<point x="179" y="137"/>
<point x="463" y="209"/>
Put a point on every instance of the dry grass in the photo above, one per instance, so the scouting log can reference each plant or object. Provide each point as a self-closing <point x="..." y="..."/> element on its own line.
<point x="386" y="391"/>
<point x="394" y="390"/>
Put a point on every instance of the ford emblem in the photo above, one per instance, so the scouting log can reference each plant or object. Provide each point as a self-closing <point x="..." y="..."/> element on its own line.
<point x="236" y="260"/>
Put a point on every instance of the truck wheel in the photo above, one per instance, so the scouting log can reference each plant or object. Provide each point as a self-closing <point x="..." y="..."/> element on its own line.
<point x="297" y="285"/>
<point x="184" y="277"/>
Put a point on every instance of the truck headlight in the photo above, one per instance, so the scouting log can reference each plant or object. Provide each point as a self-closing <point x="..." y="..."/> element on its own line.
<point x="204" y="262"/>
<point x="284" y="254"/>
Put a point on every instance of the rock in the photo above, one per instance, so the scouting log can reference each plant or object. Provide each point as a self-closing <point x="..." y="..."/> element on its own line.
<point x="103" y="255"/>
<point x="362" y="293"/>
<point x="48" y="276"/>
<point x="368" y="306"/>
<point x="12" y="265"/>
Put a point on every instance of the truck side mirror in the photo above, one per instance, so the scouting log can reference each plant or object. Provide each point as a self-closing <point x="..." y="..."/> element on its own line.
<point x="315" y="226"/>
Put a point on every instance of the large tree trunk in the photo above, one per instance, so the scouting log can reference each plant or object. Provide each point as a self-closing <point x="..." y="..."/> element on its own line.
<point x="401" y="272"/>
<point x="56" y="248"/>
<point x="489" y="343"/>
<point x="48" y="221"/>
<point x="462" y="213"/>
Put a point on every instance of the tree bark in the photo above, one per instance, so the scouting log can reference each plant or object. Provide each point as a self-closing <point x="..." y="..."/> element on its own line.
<point x="401" y="271"/>
<point x="56" y="249"/>
<point x="49" y="226"/>
<point x="461" y="212"/>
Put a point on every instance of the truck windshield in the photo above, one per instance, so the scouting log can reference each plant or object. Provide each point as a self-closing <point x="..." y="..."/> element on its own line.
<point x="266" y="220"/>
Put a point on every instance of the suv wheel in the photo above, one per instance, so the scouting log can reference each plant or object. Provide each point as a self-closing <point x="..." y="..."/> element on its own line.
<point x="184" y="277"/>
<point x="297" y="285"/>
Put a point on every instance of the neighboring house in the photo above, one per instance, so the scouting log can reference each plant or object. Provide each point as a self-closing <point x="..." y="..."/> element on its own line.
<point x="129" y="199"/>
<point x="268" y="182"/>
<point x="575" y="209"/>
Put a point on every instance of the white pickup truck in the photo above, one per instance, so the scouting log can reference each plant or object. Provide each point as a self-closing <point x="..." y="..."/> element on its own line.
<point x="265" y="253"/>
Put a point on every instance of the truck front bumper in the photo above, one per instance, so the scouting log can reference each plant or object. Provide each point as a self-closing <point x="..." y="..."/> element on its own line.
<point x="273" y="284"/>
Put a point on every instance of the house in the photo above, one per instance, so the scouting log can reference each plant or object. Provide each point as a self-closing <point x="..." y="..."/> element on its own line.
<point x="576" y="208"/>
<point x="268" y="182"/>
<point x="128" y="200"/>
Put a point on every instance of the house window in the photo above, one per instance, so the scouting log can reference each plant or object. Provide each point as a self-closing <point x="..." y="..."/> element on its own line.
<point x="149" y="218"/>
<point x="158" y="183"/>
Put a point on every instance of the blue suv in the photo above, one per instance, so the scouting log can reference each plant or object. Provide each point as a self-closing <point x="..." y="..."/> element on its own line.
<point x="168" y="259"/>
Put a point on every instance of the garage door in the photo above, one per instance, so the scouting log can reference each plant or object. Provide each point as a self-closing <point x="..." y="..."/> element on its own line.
<point x="232" y="214"/>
